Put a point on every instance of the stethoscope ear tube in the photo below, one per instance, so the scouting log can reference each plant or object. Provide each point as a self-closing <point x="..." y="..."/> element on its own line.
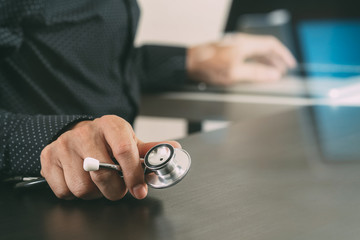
<point x="39" y="182"/>
<point x="20" y="182"/>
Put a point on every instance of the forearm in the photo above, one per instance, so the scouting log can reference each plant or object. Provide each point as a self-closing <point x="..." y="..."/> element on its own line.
<point x="23" y="137"/>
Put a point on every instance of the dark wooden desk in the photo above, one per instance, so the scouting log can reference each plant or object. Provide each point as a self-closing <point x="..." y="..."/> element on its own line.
<point x="263" y="179"/>
<point x="196" y="111"/>
<point x="200" y="109"/>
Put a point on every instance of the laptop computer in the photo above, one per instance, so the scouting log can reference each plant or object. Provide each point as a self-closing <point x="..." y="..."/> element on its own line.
<point x="324" y="36"/>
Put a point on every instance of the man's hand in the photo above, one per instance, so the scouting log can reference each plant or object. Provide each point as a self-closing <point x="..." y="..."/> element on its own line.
<point x="103" y="139"/>
<point x="239" y="57"/>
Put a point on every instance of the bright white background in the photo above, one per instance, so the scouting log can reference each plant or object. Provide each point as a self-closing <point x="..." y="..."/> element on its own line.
<point x="181" y="21"/>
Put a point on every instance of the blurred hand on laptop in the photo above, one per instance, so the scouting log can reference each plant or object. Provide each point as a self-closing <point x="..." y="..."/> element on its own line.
<point x="239" y="58"/>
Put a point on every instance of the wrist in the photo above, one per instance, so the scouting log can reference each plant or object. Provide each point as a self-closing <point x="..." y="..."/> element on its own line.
<point x="190" y="62"/>
<point x="197" y="61"/>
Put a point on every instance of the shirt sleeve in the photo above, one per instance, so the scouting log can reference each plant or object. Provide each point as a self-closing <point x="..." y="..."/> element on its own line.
<point x="160" y="67"/>
<point x="22" y="138"/>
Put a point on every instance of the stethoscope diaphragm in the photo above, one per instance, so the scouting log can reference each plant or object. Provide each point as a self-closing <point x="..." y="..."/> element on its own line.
<point x="167" y="165"/>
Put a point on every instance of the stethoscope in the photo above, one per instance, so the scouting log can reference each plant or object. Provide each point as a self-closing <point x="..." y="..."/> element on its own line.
<point x="164" y="166"/>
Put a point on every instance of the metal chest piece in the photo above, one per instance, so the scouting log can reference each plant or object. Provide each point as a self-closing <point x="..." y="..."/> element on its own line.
<point x="167" y="165"/>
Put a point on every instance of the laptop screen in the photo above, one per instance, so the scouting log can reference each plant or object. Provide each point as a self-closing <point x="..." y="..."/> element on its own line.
<point x="330" y="48"/>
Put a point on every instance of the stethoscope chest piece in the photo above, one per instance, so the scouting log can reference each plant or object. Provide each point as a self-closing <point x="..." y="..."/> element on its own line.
<point x="167" y="165"/>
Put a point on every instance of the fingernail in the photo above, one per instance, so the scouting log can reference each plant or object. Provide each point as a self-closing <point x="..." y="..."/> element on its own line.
<point x="140" y="191"/>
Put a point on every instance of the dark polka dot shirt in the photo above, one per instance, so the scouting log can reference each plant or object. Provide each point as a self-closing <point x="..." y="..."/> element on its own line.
<point x="66" y="61"/>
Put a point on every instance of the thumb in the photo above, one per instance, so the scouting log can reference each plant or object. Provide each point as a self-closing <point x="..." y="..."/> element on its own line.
<point x="145" y="147"/>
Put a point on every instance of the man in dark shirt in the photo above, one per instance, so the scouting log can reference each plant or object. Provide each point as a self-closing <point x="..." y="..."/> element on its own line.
<point x="71" y="81"/>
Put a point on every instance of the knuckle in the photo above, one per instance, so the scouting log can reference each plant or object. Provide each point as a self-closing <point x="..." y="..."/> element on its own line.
<point x="114" y="123"/>
<point x="107" y="121"/>
<point x="83" y="132"/>
<point x="102" y="176"/>
<point x="45" y="154"/>
<point x="124" y="124"/>
<point x="106" y="118"/>
<point x="124" y="149"/>
<point x="62" y="193"/>
<point x="81" y="190"/>
<point x="62" y="141"/>
<point x="112" y="118"/>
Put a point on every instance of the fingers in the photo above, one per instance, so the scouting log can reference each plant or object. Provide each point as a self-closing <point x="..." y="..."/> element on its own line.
<point x="122" y="142"/>
<point x="55" y="179"/>
<point x="256" y="45"/>
<point x="273" y="62"/>
<point x="63" y="168"/>
<point x="256" y="72"/>
<point x="269" y="58"/>
<point x="54" y="175"/>
<point x="276" y="49"/>
<point x="239" y="57"/>
<point x="110" y="183"/>
<point x="79" y="181"/>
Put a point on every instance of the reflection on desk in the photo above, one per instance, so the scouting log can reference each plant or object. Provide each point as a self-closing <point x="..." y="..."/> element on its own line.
<point x="262" y="179"/>
<point x="39" y="215"/>
<point x="290" y="86"/>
